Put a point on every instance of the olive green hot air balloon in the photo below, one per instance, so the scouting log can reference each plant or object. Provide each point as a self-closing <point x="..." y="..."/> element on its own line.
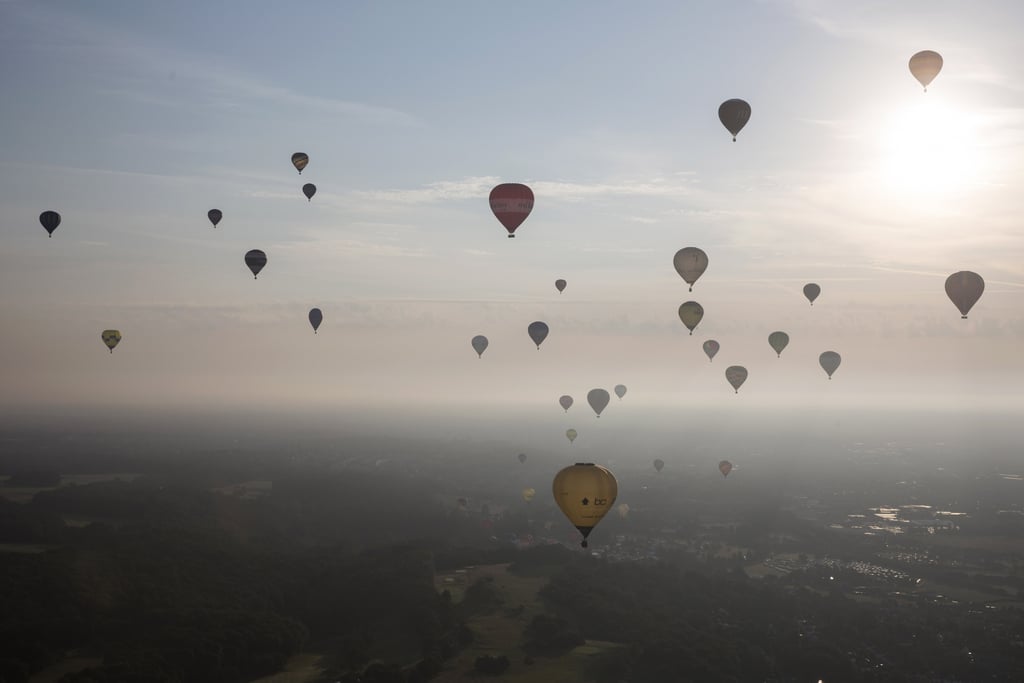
<point x="829" y="362"/>
<point x="964" y="288"/>
<point x="585" y="492"/>
<point x="778" y="341"/>
<point x="571" y="434"/>
<point x="690" y="263"/>
<point x="691" y="314"/>
<point x="925" y="66"/>
<point x="736" y="375"/>
<point x="111" y="338"/>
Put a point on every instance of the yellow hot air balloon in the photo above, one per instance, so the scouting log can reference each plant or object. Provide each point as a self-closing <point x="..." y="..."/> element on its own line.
<point x="571" y="434"/>
<point x="528" y="494"/>
<point x="585" y="492"/>
<point x="111" y="338"/>
<point x="925" y="66"/>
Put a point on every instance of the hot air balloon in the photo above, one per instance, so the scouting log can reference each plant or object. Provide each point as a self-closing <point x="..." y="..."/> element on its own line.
<point x="479" y="345"/>
<point x="214" y="215"/>
<point x="565" y="402"/>
<point x="658" y="464"/>
<point x="49" y="220"/>
<point x="690" y="263"/>
<point x="811" y="291"/>
<point x="691" y="313"/>
<point x="299" y="161"/>
<point x="309" y="189"/>
<point x="620" y="390"/>
<point x="528" y="494"/>
<point x="585" y="492"/>
<point x="255" y="259"/>
<point x="736" y="375"/>
<point x="778" y="341"/>
<point x="711" y="348"/>
<point x="538" y="332"/>
<point x="560" y="285"/>
<point x="623" y="510"/>
<point x="964" y="288"/>
<point x="571" y="434"/>
<point x="522" y="457"/>
<point x="598" y="400"/>
<point x="316" y="316"/>
<point x="111" y="338"/>
<point x="734" y="114"/>
<point x="725" y="467"/>
<point x="511" y="204"/>
<point x="829" y="362"/>
<point x="925" y="66"/>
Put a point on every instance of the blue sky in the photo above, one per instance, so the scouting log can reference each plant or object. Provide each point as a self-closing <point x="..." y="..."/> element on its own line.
<point x="134" y="119"/>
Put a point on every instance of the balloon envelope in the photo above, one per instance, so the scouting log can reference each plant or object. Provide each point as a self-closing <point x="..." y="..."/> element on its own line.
<point x="658" y="464"/>
<point x="925" y="66"/>
<point x="522" y="457"/>
<point x="585" y="492"/>
<point x="528" y="494"/>
<point x="778" y="341"/>
<point x="316" y="316"/>
<point x="736" y="376"/>
<point x="571" y="434"/>
<point x="511" y="204"/>
<point x="565" y="402"/>
<point x="598" y="400"/>
<point x="560" y="285"/>
<point x="538" y="332"/>
<point x="620" y="390"/>
<point x="691" y="314"/>
<point x="690" y="263"/>
<point x="725" y="467"/>
<point x="479" y="345"/>
<point x="734" y="114"/>
<point x="964" y="288"/>
<point x="623" y="510"/>
<point x="711" y="348"/>
<point x="49" y="220"/>
<point x="811" y="291"/>
<point x="309" y="189"/>
<point x="299" y="161"/>
<point x="255" y="259"/>
<point x="829" y="362"/>
<point x="111" y="338"/>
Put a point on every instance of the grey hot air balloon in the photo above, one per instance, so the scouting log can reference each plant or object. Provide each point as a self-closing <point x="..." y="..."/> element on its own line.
<point x="691" y="313"/>
<point x="829" y="362"/>
<point x="316" y="316"/>
<point x="49" y="220"/>
<point x="736" y="375"/>
<point x="658" y="464"/>
<point x="778" y="341"/>
<point x="309" y="189"/>
<point x="811" y="291"/>
<point x="734" y="114"/>
<point x="299" y="161"/>
<point x="255" y="259"/>
<point x="565" y="402"/>
<point x="690" y="263"/>
<point x="479" y="344"/>
<point x="538" y="332"/>
<point x="598" y="400"/>
<point x="711" y="348"/>
<point x="925" y="66"/>
<point x="522" y="457"/>
<point x="214" y="215"/>
<point x="560" y="285"/>
<point x="620" y="390"/>
<point x="964" y="288"/>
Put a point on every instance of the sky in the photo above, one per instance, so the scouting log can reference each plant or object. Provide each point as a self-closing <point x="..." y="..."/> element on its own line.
<point x="132" y="120"/>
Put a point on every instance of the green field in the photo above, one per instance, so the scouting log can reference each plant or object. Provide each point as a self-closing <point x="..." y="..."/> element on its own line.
<point x="501" y="633"/>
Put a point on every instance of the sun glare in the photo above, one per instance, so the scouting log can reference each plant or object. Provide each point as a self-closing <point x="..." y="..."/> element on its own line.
<point x="929" y="148"/>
